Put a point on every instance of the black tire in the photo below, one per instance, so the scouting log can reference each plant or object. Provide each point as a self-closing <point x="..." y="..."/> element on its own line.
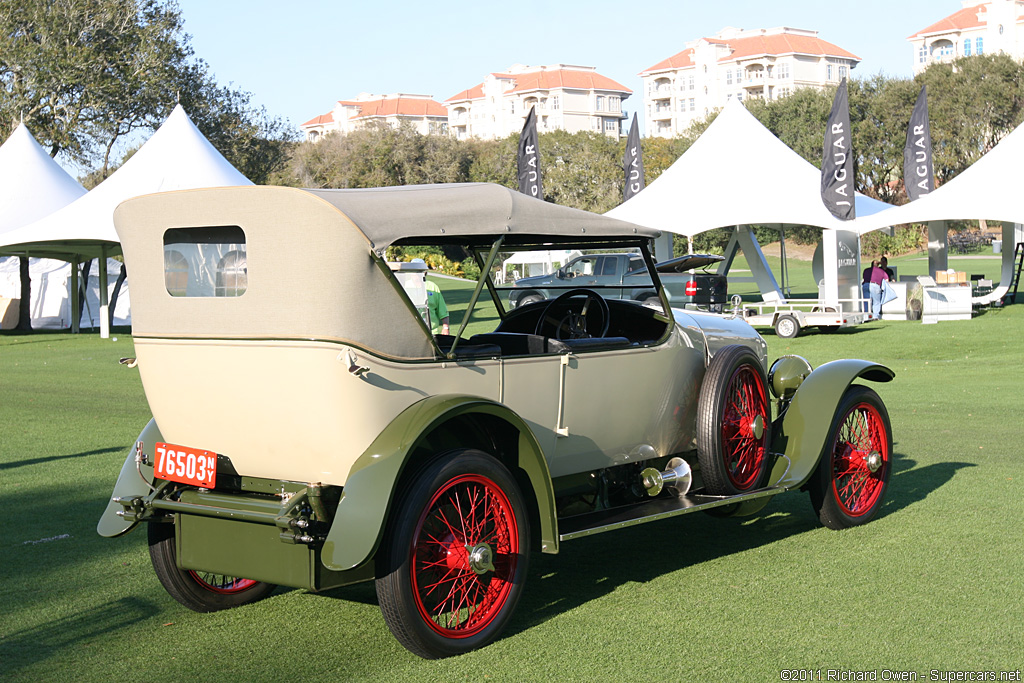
<point x="461" y="528"/>
<point x="734" y="423"/>
<point x="199" y="591"/>
<point x="848" y="487"/>
<point x="786" y="326"/>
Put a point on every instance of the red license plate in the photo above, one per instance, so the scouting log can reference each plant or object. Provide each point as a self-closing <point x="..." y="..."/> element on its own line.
<point x="186" y="465"/>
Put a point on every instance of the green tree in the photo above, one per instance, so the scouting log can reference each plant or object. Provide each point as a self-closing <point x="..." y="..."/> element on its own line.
<point x="379" y="155"/>
<point x="85" y="75"/>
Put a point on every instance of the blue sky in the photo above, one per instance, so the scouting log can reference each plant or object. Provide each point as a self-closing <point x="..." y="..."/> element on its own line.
<point x="298" y="62"/>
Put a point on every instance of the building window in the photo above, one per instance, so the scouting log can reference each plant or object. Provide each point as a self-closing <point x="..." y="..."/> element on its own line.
<point x="828" y="72"/>
<point x="600" y="103"/>
<point x="693" y="80"/>
<point x="614" y="104"/>
<point x="728" y="77"/>
<point x="739" y="96"/>
<point x="555" y="104"/>
<point x="979" y="45"/>
<point x="783" y="70"/>
<point x="611" y="126"/>
<point x="967" y="47"/>
<point x="682" y="104"/>
<point x="922" y="54"/>
<point x="842" y="72"/>
<point x="693" y="104"/>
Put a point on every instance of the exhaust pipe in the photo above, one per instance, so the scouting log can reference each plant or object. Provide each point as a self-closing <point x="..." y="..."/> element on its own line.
<point x="677" y="478"/>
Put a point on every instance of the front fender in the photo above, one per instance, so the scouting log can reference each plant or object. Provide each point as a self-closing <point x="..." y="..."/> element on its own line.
<point x="804" y="426"/>
<point x="370" y="488"/>
<point x="129" y="484"/>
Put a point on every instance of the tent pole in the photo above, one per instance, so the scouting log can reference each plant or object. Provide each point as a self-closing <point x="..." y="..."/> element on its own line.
<point x="75" y="296"/>
<point x="784" y="267"/>
<point x="104" y="317"/>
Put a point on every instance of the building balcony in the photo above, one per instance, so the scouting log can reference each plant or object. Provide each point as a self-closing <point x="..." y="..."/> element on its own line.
<point x="661" y="115"/>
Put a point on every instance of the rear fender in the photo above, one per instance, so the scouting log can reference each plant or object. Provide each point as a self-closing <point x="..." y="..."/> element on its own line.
<point x="130" y="484"/>
<point x="371" y="485"/>
<point x="801" y="432"/>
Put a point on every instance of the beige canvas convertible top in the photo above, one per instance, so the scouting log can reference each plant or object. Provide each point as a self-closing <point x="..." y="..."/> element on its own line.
<point x="309" y="256"/>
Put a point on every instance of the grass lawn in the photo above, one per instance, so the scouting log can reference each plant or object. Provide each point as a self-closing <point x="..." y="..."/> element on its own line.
<point x="936" y="583"/>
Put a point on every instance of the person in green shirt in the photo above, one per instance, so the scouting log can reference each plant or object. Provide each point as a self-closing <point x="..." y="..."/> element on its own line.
<point x="437" y="308"/>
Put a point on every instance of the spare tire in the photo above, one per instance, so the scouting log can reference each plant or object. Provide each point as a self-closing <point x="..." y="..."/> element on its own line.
<point x="734" y="423"/>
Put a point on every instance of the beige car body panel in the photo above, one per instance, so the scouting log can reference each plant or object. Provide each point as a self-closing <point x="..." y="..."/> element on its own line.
<point x="294" y="410"/>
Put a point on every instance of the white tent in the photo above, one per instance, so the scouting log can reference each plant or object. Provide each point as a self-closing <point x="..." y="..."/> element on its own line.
<point x="176" y="157"/>
<point x="532" y="263"/>
<point x="32" y="185"/>
<point x="50" y="306"/>
<point x="737" y="173"/>
<point x="988" y="189"/>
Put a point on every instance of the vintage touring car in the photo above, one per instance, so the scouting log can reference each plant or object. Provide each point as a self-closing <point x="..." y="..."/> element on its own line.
<point x="309" y="431"/>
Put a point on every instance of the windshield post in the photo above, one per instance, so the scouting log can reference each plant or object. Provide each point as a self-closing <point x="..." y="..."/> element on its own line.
<point x="652" y="268"/>
<point x="481" y="281"/>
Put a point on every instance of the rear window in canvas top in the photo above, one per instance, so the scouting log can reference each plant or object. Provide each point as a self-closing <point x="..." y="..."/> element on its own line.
<point x="205" y="262"/>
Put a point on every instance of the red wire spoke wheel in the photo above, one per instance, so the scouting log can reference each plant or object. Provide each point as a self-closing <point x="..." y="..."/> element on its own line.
<point x="453" y="566"/>
<point x="464" y="557"/>
<point x="218" y="583"/>
<point x="849" y="486"/>
<point x="734" y="423"/>
<point x="198" y="590"/>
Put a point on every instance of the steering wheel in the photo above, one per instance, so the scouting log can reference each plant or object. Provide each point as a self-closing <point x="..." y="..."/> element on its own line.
<point x="574" y="325"/>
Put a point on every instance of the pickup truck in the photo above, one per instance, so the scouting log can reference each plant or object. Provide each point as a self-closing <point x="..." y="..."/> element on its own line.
<point x="624" y="276"/>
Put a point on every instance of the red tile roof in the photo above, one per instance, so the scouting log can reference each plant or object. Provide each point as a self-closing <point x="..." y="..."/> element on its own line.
<point x="319" y="120"/>
<point x="958" y="21"/>
<point x="474" y="93"/>
<point x="785" y="44"/>
<point x="756" y="45"/>
<point x="565" y="78"/>
<point x="547" y="79"/>
<point x="676" y="61"/>
<point x="400" y="106"/>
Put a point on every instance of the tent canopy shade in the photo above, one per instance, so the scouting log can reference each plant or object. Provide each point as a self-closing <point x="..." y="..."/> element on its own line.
<point x="177" y="156"/>
<point x="737" y="173"/>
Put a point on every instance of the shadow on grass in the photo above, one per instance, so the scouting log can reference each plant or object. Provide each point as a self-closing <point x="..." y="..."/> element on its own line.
<point x="592" y="567"/>
<point x="19" y="649"/>
<point x="38" y="461"/>
<point x="910" y="484"/>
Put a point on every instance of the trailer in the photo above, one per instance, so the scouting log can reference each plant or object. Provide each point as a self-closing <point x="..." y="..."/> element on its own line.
<point x="789" y="317"/>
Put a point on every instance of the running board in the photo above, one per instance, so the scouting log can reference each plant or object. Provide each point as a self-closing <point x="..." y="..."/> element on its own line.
<point x="592" y="523"/>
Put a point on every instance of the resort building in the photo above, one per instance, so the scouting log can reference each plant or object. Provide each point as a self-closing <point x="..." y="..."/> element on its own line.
<point x="735" y="63"/>
<point x="978" y="28"/>
<point x="571" y="98"/>
<point x="426" y="115"/>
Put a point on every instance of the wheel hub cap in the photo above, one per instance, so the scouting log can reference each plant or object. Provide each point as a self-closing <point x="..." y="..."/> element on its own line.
<point x="757" y="427"/>
<point x="873" y="460"/>
<point x="480" y="558"/>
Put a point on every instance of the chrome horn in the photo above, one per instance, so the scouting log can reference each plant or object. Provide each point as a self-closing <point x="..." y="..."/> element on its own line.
<point x="677" y="478"/>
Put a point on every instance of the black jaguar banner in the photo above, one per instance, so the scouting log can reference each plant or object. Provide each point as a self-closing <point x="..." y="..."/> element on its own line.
<point x="633" y="164"/>
<point x="837" y="186"/>
<point x="529" y="158"/>
<point x="918" y="172"/>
